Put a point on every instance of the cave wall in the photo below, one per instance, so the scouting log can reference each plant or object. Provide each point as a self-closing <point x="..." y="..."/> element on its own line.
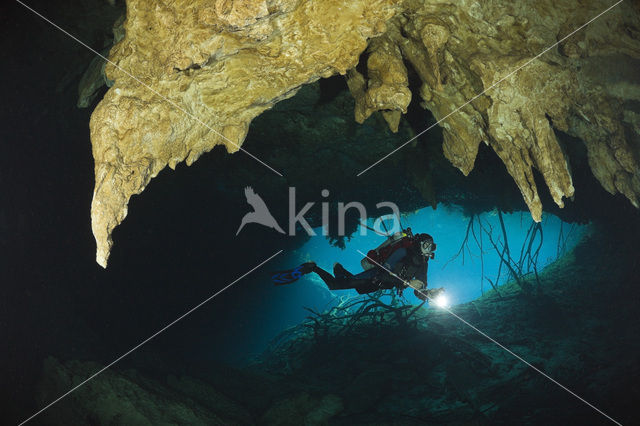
<point x="194" y="74"/>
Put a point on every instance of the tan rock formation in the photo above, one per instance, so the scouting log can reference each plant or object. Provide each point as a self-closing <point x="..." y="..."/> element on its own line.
<point x="387" y="86"/>
<point x="212" y="66"/>
<point x="461" y="49"/>
<point x="94" y="76"/>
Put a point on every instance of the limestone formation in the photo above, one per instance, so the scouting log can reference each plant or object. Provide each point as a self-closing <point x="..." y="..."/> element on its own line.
<point x="193" y="74"/>
<point x="94" y="76"/>
<point x="460" y="51"/>
<point x="386" y="88"/>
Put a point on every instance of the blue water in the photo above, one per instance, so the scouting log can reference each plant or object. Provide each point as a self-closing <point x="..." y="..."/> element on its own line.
<point x="461" y="276"/>
<point x="284" y="306"/>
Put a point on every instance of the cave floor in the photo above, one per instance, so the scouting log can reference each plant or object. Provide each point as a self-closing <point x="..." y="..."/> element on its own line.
<point x="579" y="325"/>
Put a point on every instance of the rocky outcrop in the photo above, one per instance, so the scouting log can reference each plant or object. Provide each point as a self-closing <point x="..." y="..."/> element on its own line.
<point x="198" y="72"/>
<point x="94" y="77"/>
<point x="194" y="74"/>
<point x="129" y="398"/>
<point x="484" y="59"/>
<point x="132" y="398"/>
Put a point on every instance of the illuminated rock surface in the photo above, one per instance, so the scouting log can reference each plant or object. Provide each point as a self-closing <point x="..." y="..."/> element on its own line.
<point x="204" y="70"/>
<point x="222" y="62"/>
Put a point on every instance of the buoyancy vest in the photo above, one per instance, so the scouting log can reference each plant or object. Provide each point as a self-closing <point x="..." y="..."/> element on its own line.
<point x="381" y="253"/>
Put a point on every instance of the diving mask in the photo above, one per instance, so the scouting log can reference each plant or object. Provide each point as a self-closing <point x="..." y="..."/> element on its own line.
<point x="428" y="248"/>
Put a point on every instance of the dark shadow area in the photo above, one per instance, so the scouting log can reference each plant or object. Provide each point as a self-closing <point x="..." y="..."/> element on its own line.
<point x="410" y="367"/>
<point x="62" y="316"/>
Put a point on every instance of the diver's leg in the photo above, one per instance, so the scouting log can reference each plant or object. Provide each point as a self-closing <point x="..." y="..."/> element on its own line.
<point x="335" y="283"/>
<point x="307" y="268"/>
<point x="332" y="282"/>
<point x="340" y="272"/>
<point x="343" y="280"/>
<point x="366" y="281"/>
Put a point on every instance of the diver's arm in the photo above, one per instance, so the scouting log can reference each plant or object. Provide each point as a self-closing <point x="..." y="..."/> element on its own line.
<point x="419" y="289"/>
<point x="421" y="274"/>
<point x="419" y="284"/>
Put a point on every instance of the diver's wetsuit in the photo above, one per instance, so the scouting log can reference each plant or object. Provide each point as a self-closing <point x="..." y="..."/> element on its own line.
<point x="405" y="263"/>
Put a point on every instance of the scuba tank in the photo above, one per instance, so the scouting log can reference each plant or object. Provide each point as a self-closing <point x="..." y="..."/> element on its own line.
<point x="381" y="253"/>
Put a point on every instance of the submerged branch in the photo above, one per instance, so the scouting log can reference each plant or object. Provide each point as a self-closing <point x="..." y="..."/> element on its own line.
<point x="464" y="244"/>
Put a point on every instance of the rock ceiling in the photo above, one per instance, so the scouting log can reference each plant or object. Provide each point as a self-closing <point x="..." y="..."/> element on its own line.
<point x="192" y="74"/>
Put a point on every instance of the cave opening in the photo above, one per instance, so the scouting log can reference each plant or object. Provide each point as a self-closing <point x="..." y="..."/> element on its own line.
<point x="183" y="259"/>
<point x="254" y="354"/>
<point x="467" y="264"/>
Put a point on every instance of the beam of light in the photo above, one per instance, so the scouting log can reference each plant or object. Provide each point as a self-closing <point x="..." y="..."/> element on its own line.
<point x="441" y="301"/>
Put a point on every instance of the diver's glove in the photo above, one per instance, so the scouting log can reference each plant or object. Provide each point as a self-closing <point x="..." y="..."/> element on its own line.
<point x="417" y="285"/>
<point x="432" y="293"/>
<point x="419" y="289"/>
<point x="428" y="294"/>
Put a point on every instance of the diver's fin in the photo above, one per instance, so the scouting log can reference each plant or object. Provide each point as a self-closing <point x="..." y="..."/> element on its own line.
<point x="292" y="275"/>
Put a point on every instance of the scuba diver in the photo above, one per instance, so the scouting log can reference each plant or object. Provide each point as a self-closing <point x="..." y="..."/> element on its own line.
<point x="400" y="262"/>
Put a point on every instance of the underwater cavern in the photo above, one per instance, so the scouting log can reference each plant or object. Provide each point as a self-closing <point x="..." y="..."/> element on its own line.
<point x="490" y="149"/>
